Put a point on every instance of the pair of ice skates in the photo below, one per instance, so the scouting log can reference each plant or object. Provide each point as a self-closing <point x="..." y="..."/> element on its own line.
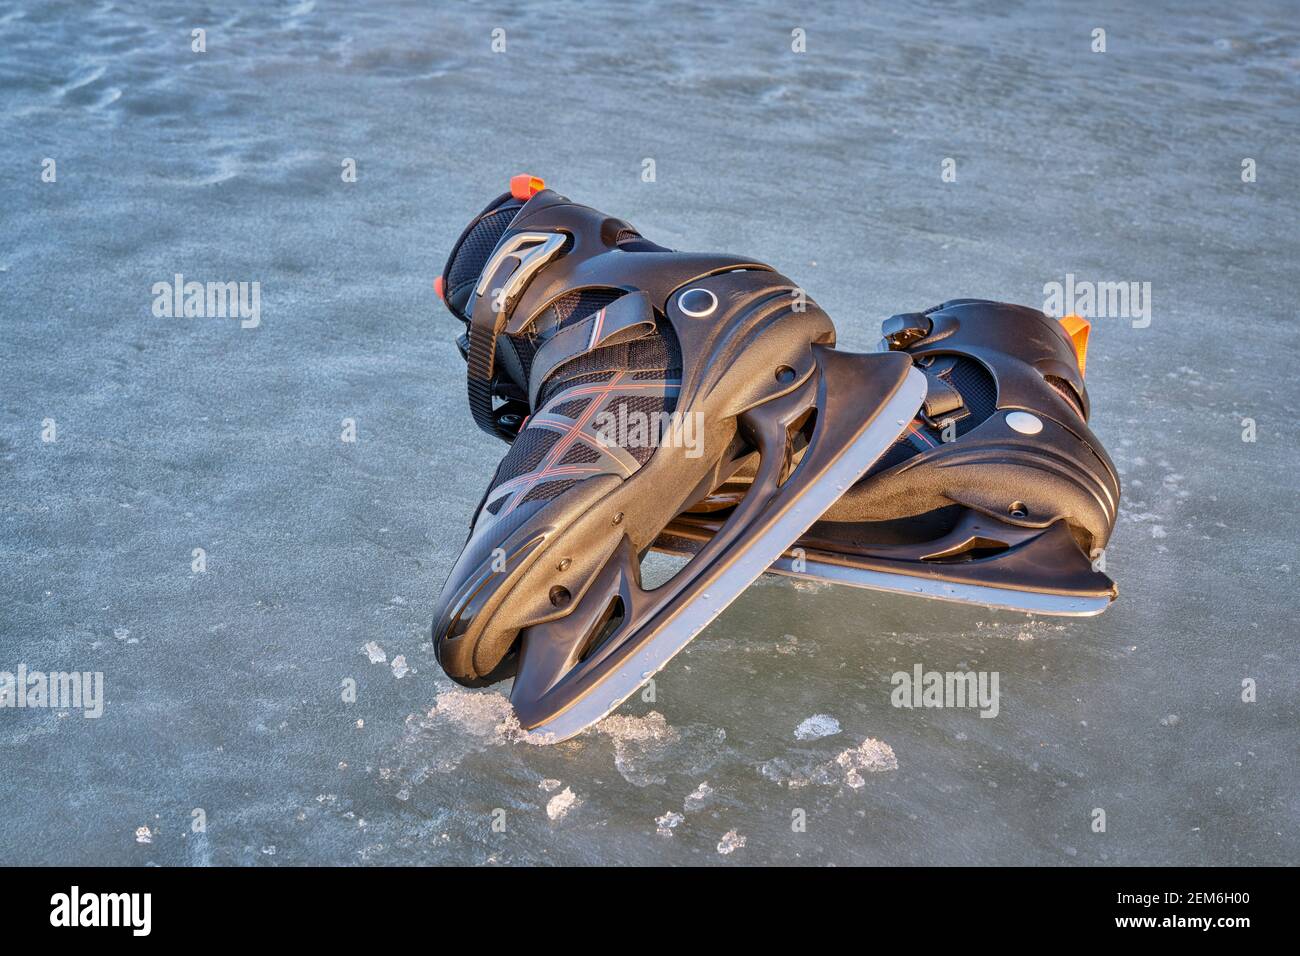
<point x="957" y="464"/>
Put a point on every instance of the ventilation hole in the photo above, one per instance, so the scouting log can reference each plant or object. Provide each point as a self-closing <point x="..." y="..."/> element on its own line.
<point x="785" y="374"/>
<point x="1018" y="510"/>
<point x="608" y="627"/>
<point x="560" y="596"/>
<point x="797" y="437"/>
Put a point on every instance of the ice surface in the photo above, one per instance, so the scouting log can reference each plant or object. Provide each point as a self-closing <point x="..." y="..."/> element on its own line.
<point x="1122" y="166"/>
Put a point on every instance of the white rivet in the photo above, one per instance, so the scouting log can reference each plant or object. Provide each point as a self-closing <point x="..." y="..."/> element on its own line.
<point x="701" y="310"/>
<point x="1024" y="423"/>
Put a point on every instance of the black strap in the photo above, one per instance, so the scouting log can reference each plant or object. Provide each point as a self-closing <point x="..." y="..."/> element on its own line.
<point x="942" y="400"/>
<point x="485" y="325"/>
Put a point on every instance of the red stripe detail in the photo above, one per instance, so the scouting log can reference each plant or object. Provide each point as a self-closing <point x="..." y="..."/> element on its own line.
<point x="560" y="447"/>
<point x="921" y="435"/>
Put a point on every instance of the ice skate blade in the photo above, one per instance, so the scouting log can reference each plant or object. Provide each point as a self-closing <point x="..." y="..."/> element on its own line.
<point x="1008" y="599"/>
<point x="722" y="583"/>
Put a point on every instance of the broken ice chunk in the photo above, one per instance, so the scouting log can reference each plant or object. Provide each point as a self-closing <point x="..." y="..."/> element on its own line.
<point x="730" y="842"/>
<point x="667" y="822"/>
<point x="698" y="799"/>
<point x="871" y="755"/>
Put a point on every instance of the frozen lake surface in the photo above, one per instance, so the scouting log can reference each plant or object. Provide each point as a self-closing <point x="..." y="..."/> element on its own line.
<point x="224" y="688"/>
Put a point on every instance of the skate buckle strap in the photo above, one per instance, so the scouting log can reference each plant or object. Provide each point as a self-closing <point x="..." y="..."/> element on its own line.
<point x="626" y="319"/>
<point x="507" y="273"/>
<point x="943" y="402"/>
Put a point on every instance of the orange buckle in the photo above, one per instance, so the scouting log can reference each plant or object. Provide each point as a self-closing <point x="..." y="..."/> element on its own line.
<point x="1077" y="328"/>
<point x="438" y="288"/>
<point x="525" y="186"/>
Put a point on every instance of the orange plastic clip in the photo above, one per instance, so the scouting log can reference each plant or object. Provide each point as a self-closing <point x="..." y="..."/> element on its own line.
<point x="1077" y="328"/>
<point x="438" y="288"/>
<point x="525" y="186"/>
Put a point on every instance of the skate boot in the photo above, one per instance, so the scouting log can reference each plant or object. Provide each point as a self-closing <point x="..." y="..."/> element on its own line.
<point x="632" y="381"/>
<point x="997" y="494"/>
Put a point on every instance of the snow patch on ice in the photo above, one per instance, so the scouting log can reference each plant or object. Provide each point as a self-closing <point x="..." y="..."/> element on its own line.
<point x="400" y="669"/>
<point x="549" y="784"/>
<point x="374" y="652"/>
<point x="558" y="807"/>
<point x="816" y="727"/>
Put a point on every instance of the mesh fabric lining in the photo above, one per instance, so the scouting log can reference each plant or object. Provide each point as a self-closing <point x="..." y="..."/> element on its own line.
<point x="525" y="454"/>
<point x="473" y="253"/>
<point x="654" y="356"/>
<point x="571" y="306"/>
<point x="580" y="454"/>
<point x="978" y="391"/>
<point x="549" y="490"/>
<point x="557" y="382"/>
<point x="636" y="405"/>
<point x="572" y="408"/>
<point x="979" y="394"/>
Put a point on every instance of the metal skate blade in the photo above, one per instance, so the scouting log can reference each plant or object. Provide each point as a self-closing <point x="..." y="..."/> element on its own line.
<point x="852" y="463"/>
<point x="1010" y="599"/>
